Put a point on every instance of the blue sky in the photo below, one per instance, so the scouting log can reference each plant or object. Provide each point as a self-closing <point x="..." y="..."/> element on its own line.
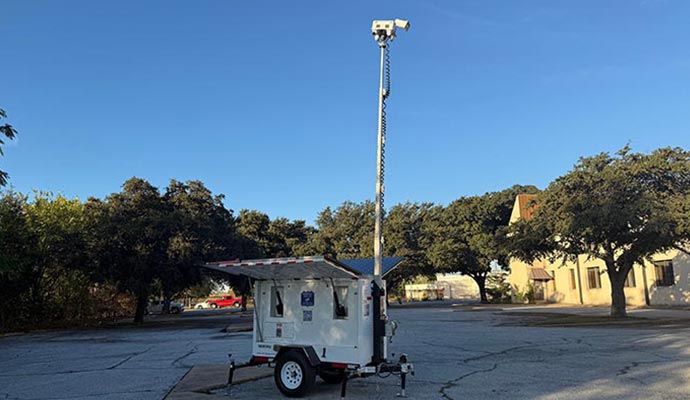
<point x="273" y="103"/>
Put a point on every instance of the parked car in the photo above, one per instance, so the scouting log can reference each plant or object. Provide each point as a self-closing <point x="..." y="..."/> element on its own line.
<point x="225" y="301"/>
<point x="156" y="307"/>
<point x="202" y="305"/>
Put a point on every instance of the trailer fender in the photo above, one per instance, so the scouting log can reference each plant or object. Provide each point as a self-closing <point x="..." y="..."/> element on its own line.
<point x="307" y="350"/>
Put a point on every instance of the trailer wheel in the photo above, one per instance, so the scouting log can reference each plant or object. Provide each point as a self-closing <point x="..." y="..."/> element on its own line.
<point x="293" y="374"/>
<point x="332" y="376"/>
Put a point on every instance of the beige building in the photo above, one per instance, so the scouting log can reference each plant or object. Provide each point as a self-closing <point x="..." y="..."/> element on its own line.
<point x="663" y="281"/>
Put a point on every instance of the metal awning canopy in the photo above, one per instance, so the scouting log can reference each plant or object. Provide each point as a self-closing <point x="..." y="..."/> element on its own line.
<point x="285" y="268"/>
<point x="539" y="274"/>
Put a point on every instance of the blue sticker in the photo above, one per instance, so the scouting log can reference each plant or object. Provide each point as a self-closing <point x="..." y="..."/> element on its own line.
<point x="308" y="299"/>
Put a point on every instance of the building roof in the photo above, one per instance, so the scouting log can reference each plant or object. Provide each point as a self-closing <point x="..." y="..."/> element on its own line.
<point x="526" y="209"/>
<point x="302" y="268"/>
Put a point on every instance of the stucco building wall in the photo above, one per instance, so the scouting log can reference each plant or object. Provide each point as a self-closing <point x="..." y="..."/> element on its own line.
<point x="571" y="283"/>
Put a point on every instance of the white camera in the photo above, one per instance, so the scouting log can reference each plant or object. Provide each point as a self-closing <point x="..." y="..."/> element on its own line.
<point x="385" y="29"/>
<point x="402" y="24"/>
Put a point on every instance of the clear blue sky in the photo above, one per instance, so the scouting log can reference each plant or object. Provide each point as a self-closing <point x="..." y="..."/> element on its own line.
<point x="274" y="103"/>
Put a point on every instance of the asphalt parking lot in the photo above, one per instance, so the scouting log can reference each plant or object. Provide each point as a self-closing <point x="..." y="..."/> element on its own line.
<point x="458" y="354"/>
<point x="121" y="362"/>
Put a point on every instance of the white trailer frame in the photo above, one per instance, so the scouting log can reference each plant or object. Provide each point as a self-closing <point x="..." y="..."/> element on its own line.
<point x="326" y="317"/>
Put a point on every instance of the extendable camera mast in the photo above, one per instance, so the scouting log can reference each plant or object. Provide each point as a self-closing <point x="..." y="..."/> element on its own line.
<point x="384" y="32"/>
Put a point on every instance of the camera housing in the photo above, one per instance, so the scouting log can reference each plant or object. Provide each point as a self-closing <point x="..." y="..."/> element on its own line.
<point x="385" y="29"/>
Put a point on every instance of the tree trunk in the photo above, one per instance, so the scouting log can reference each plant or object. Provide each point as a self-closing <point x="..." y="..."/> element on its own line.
<point x="244" y="302"/>
<point x="167" y="298"/>
<point x="481" y="283"/>
<point x="618" y="295"/>
<point x="142" y="300"/>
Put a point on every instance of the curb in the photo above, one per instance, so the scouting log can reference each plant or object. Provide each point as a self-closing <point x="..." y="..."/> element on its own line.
<point x="201" y="380"/>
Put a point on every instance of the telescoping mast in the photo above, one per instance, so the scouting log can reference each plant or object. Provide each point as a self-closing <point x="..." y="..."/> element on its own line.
<point x="318" y="316"/>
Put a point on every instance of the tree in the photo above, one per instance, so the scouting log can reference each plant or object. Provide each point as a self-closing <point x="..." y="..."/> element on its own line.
<point x="130" y="233"/>
<point x="9" y="132"/>
<point x="16" y="258"/>
<point x="289" y="237"/>
<point x="201" y="229"/>
<point x="42" y="256"/>
<point x="254" y="225"/>
<point x="470" y="235"/>
<point x="621" y="209"/>
<point x="347" y="232"/>
<point x="57" y="225"/>
<point x="407" y="235"/>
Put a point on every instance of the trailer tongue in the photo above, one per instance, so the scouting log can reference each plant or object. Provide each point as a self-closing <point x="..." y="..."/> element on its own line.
<point x="318" y="316"/>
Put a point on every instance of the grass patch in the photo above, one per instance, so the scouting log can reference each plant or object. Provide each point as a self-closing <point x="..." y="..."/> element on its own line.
<point x="557" y="320"/>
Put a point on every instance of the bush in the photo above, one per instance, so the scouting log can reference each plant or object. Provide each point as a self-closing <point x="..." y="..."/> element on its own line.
<point x="498" y="288"/>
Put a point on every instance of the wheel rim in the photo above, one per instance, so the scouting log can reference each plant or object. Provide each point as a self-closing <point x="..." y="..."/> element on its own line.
<point x="291" y="375"/>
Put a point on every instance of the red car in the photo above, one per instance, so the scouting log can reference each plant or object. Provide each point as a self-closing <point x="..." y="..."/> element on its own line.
<point x="225" y="301"/>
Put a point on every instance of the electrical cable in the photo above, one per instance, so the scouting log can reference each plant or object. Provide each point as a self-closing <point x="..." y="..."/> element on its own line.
<point x="386" y="93"/>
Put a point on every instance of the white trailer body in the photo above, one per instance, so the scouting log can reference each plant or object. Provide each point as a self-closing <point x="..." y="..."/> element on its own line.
<point x="309" y="318"/>
<point x="317" y="316"/>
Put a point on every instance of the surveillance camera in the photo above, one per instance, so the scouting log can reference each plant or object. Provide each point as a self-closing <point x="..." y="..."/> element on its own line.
<point x="383" y="29"/>
<point x="402" y="24"/>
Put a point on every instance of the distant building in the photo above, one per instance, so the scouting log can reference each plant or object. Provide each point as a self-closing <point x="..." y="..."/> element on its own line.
<point x="663" y="281"/>
<point x="446" y="286"/>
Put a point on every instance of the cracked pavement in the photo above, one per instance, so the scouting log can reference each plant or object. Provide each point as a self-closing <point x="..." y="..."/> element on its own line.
<point x="464" y="355"/>
<point x="458" y="354"/>
<point x="117" y="362"/>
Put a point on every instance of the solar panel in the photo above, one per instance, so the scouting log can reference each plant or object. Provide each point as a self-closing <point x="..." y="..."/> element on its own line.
<point x="365" y="266"/>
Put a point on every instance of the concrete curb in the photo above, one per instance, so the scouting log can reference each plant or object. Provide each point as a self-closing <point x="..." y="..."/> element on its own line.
<point x="202" y="380"/>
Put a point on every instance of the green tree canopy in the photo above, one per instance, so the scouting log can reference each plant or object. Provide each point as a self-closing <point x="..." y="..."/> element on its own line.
<point x="347" y="232"/>
<point x="9" y="132"/>
<point x="621" y="209"/>
<point x="470" y="234"/>
<point x="131" y="232"/>
<point x="407" y="234"/>
<point x="201" y="229"/>
<point x="43" y="251"/>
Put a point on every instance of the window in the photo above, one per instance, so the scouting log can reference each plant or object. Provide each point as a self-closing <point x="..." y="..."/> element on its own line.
<point x="340" y="302"/>
<point x="573" y="282"/>
<point x="664" y="273"/>
<point x="277" y="301"/>
<point x="630" y="279"/>
<point x="593" y="278"/>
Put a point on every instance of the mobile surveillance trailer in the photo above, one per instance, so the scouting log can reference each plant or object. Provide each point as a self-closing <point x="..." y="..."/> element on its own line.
<point x="318" y="316"/>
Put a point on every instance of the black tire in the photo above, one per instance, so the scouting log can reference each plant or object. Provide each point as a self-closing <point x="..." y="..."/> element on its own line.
<point x="214" y="305"/>
<point x="236" y="304"/>
<point x="332" y="376"/>
<point x="299" y="375"/>
<point x="174" y="310"/>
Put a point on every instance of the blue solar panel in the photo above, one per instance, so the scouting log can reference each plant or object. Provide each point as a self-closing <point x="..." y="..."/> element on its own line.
<point x="365" y="266"/>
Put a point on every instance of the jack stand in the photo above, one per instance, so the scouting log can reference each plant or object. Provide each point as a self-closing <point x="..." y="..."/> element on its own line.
<point x="403" y="377"/>
<point x="231" y="373"/>
<point x="343" y="387"/>
<point x="405" y="368"/>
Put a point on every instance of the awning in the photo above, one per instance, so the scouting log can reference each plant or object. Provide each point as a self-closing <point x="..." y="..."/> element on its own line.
<point x="285" y="268"/>
<point x="539" y="274"/>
